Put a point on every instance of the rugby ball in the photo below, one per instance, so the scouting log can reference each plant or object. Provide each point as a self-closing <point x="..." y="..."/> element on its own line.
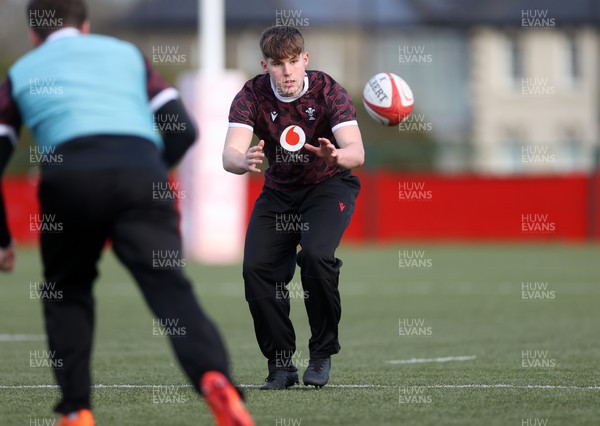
<point x="388" y="99"/>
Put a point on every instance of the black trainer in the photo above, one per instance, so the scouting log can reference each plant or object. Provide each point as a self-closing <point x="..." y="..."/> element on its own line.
<point x="281" y="377"/>
<point x="317" y="372"/>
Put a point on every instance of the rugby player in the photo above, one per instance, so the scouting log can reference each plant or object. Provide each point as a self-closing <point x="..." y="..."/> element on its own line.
<point x="90" y="99"/>
<point x="308" y="132"/>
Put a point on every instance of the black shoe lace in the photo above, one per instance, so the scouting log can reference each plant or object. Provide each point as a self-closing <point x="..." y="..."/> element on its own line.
<point x="272" y="375"/>
<point x="318" y="364"/>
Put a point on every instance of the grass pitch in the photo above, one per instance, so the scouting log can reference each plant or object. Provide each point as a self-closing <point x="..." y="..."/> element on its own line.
<point x="524" y="317"/>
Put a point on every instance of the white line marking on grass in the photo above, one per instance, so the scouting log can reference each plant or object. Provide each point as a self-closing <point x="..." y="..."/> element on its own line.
<point x="348" y="386"/>
<point x="175" y="386"/>
<point x="442" y="359"/>
<point x="500" y="386"/>
<point x="22" y="337"/>
<point x="28" y="387"/>
<point x="94" y="386"/>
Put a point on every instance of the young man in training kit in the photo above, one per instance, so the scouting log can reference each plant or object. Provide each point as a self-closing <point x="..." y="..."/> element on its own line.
<point x="90" y="100"/>
<point x="308" y="132"/>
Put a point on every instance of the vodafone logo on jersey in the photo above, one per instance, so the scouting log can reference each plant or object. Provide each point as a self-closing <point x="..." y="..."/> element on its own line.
<point x="293" y="138"/>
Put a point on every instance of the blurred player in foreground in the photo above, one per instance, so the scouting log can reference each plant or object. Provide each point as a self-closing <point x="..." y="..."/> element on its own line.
<point x="89" y="100"/>
<point x="308" y="131"/>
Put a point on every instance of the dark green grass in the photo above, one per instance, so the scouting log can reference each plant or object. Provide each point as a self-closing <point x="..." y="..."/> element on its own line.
<point x="470" y="297"/>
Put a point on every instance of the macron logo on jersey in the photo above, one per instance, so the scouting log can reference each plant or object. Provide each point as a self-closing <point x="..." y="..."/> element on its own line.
<point x="273" y="115"/>
<point x="293" y="138"/>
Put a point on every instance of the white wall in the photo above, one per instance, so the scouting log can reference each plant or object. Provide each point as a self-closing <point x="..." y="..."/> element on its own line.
<point x="524" y="125"/>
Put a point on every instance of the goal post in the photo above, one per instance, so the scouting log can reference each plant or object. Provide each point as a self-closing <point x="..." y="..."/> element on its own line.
<point x="213" y="211"/>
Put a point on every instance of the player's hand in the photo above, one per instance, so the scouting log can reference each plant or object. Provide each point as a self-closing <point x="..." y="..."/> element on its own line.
<point x="254" y="156"/>
<point x="7" y="259"/>
<point x="325" y="150"/>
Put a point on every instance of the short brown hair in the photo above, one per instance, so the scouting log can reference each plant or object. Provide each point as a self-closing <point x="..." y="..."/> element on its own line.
<point x="281" y="42"/>
<point x="46" y="16"/>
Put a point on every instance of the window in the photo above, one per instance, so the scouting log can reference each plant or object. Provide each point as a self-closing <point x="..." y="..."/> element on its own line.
<point x="572" y="59"/>
<point x="515" y="60"/>
<point x="570" y="154"/>
<point x="510" y="154"/>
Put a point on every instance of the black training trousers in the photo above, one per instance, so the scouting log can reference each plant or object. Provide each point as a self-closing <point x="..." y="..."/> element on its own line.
<point x="314" y="217"/>
<point x="121" y="205"/>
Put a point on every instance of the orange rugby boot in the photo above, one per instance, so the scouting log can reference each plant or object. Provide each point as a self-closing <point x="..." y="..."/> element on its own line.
<point x="224" y="401"/>
<point x="82" y="417"/>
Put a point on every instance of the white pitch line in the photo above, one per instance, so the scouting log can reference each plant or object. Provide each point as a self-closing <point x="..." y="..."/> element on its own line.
<point x="123" y="386"/>
<point x="442" y="359"/>
<point x="22" y="337"/>
<point x="500" y="386"/>
<point x="348" y="386"/>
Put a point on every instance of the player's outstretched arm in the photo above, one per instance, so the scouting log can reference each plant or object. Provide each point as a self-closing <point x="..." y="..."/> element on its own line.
<point x="238" y="157"/>
<point x="7" y="259"/>
<point x="350" y="153"/>
<point x="176" y="143"/>
<point x="169" y="113"/>
<point x="7" y="253"/>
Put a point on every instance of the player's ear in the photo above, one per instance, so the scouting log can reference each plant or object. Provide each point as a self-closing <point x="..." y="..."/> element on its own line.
<point x="35" y="39"/>
<point x="85" y="27"/>
<point x="305" y="59"/>
<point x="263" y="64"/>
